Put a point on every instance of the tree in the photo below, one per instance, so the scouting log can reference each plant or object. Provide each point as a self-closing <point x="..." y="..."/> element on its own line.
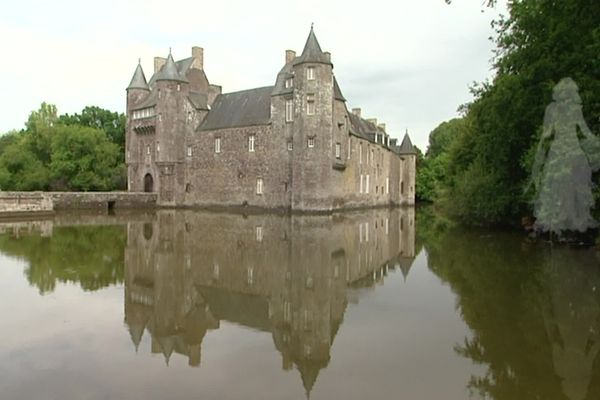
<point x="112" y="123"/>
<point x="538" y="43"/>
<point x="83" y="159"/>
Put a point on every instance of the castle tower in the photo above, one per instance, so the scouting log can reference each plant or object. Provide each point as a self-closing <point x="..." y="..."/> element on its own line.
<point x="313" y="96"/>
<point x="172" y="90"/>
<point x="137" y="91"/>
<point x="408" y="157"/>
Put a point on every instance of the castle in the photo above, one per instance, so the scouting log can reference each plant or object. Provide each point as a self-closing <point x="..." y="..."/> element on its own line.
<point x="292" y="146"/>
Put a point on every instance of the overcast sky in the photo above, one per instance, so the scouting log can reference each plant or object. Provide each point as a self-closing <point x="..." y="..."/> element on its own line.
<point x="408" y="63"/>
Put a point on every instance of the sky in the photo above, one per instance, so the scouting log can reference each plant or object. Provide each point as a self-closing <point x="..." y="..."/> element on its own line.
<point x="408" y="63"/>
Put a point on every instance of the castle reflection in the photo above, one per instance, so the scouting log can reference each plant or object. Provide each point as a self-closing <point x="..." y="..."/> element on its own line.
<point x="291" y="277"/>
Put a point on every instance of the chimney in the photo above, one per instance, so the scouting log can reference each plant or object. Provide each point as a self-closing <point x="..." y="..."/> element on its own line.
<point x="289" y="56"/>
<point x="381" y="126"/>
<point x="356" y="111"/>
<point x="198" y="54"/>
<point x="327" y="56"/>
<point x="158" y="63"/>
<point x="372" y="120"/>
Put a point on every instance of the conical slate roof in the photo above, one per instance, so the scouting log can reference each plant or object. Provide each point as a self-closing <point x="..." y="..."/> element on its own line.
<point x="407" y="147"/>
<point x="169" y="72"/>
<point x="138" y="81"/>
<point x="312" y="51"/>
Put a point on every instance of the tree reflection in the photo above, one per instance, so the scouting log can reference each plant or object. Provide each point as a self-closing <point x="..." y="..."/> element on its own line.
<point x="90" y="256"/>
<point x="533" y="310"/>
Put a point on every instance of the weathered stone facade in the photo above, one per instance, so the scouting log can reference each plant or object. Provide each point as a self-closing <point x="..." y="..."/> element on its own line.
<point x="293" y="145"/>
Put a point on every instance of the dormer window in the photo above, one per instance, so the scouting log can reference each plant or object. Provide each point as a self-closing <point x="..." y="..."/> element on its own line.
<point x="289" y="83"/>
<point x="310" y="73"/>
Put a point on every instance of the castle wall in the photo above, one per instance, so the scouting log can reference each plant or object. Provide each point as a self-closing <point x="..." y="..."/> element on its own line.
<point x="229" y="178"/>
<point x="188" y="172"/>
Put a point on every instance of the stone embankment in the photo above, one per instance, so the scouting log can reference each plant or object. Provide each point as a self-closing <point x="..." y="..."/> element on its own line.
<point x="39" y="203"/>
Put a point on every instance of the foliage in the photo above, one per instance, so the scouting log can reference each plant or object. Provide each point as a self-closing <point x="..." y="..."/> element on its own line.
<point x="518" y="300"/>
<point x="69" y="152"/>
<point x="83" y="159"/>
<point x="91" y="256"/>
<point x="112" y="123"/>
<point x="431" y="169"/>
<point x="489" y="162"/>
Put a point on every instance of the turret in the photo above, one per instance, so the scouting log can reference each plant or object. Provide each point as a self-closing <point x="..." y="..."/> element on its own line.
<point x="408" y="155"/>
<point x="313" y="98"/>
<point x="172" y="91"/>
<point x="138" y="88"/>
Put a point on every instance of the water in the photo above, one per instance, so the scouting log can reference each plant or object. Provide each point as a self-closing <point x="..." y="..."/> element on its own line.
<point x="373" y="304"/>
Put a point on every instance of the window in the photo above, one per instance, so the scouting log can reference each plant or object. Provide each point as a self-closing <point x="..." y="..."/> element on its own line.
<point x="338" y="150"/>
<point x="289" y="110"/>
<point x="251" y="142"/>
<point x="310" y="73"/>
<point x="178" y="87"/>
<point x="148" y="150"/>
<point x="367" y="185"/>
<point x="259" y="234"/>
<point x="189" y="151"/>
<point x="361" y="184"/>
<point x="360" y="154"/>
<point x="311" y="142"/>
<point x="158" y="147"/>
<point x="349" y="147"/>
<point x="289" y="83"/>
<point x="372" y="156"/>
<point x="128" y="155"/>
<point x="290" y="146"/>
<point x="217" y="145"/>
<point x="250" y="276"/>
<point x="259" y="186"/>
<point x="401" y="187"/>
<point x="310" y="104"/>
<point x="387" y="185"/>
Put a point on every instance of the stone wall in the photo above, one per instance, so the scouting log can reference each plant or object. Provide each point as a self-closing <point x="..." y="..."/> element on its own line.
<point x="25" y="202"/>
<point x="101" y="200"/>
<point x="229" y="178"/>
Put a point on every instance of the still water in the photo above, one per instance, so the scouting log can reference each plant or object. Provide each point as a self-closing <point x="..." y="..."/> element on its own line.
<point x="369" y="305"/>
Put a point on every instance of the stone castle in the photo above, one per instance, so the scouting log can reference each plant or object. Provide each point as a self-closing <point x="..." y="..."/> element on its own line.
<point x="292" y="146"/>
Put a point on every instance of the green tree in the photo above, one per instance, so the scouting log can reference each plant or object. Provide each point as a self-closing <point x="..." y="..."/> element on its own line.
<point x="83" y="159"/>
<point x="112" y="123"/>
<point x="538" y="43"/>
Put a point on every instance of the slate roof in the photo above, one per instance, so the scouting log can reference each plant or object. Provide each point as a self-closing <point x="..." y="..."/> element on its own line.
<point x="150" y="101"/>
<point x="362" y="128"/>
<point x="312" y="51"/>
<point x="285" y="73"/>
<point x="138" y="81"/>
<point x="170" y="72"/>
<point x="199" y="100"/>
<point x="337" y="92"/>
<point x="407" y="147"/>
<point x="246" y="108"/>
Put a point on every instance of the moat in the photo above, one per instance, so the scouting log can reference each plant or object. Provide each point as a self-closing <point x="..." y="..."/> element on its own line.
<point x="376" y="304"/>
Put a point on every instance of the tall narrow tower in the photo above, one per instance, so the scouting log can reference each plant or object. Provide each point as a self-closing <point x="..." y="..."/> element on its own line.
<point x="408" y="157"/>
<point x="172" y="91"/>
<point x="137" y="91"/>
<point x="312" y="131"/>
